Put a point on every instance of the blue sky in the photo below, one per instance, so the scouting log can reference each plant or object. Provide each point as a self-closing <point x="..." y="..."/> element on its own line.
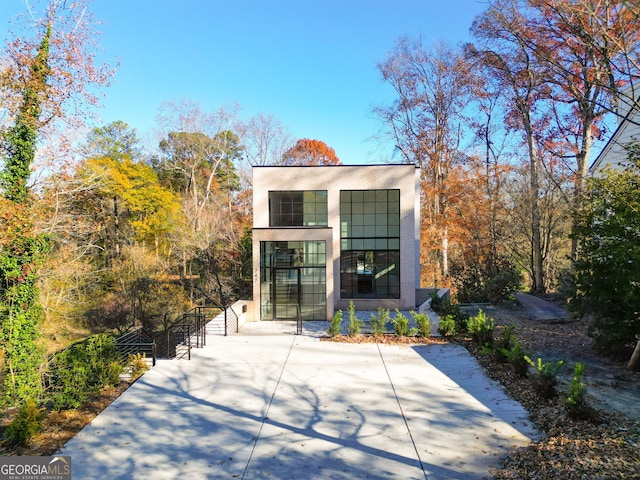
<point x="309" y="63"/>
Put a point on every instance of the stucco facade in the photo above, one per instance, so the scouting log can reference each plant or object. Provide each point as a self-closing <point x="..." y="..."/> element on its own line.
<point x="358" y="262"/>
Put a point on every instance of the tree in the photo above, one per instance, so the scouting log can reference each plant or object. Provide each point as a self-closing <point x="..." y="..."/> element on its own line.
<point x="112" y="140"/>
<point x="432" y="86"/>
<point x="265" y="140"/>
<point x="37" y="85"/>
<point x="47" y="67"/>
<point x="587" y="50"/>
<point x="310" y="152"/>
<point x="608" y="263"/>
<point x="129" y="197"/>
<point x="197" y="155"/>
<point x="507" y="58"/>
<point x="73" y="74"/>
<point x="197" y="158"/>
<point x="21" y="249"/>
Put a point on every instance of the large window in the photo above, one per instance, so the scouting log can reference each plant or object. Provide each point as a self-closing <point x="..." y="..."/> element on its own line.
<point x="298" y="208"/>
<point x="370" y="244"/>
<point x="293" y="278"/>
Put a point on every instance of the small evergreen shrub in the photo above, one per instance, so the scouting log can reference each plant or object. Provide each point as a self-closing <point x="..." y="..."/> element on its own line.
<point x="354" y="326"/>
<point x="546" y="376"/>
<point x="481" y="328"/>
<point x="335" y="324"/>
<point x="25" y="424"/>
<point x="400" y="324"/>
<point x="137" y="365"/>
<point x="460" y="317"/>
<point x="576" y="401"/>
<point x="423" y="322"/>
<point x="504" y="343"/>
<point x="447" y="326"/>
<point x="517" y="358"/>
<point x="379" y="322"/>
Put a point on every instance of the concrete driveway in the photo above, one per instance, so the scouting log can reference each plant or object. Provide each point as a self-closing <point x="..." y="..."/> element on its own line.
<point x="292" y="407"/>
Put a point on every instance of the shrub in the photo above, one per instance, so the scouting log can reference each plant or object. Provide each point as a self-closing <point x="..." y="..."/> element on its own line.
<point x="504" y="343"/>
<point x="576" y="401"/>
<point x="547" y="376"/>
<point x="423" y="322"/>
<point x="355" y="324"/>
<point x="493" y="282"/>
<point x="25" y="424"/>
<point x="137" y="365"/>
<point x="447" y="325"/>
<point x="517" y="358"/>
<point x="481" y="328"/>
<point x="445" y="308"/>
<point x="335" y="324"/>
<point x="400" y="324"/>
<point x="83" y="369"/>
<point x="608" y="258"/>
<point x="379" y="322"/>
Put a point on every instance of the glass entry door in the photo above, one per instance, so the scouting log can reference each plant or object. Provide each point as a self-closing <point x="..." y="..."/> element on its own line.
<point x="286" y="292"/>
<point x="293" y="274"/>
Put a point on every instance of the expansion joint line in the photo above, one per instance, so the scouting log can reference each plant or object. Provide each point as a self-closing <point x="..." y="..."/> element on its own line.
<point x="404" y="418"/>
<point x="266" y="413"/>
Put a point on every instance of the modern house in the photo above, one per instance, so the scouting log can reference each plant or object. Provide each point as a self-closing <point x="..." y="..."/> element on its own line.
<point x="327" y="235"/>
<point x="613" y="154"/>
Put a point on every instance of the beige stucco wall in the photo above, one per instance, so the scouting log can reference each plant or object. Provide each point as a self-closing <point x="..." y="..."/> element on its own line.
<point x="334" y="179"/>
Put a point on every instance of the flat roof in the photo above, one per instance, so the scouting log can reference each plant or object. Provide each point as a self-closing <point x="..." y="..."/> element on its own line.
<point x="341" y="165"/>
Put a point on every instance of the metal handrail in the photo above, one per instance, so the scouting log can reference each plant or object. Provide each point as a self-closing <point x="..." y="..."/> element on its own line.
<point x="185" y="329"/>
<point x="226" y="320"/>
<point x="137" y="341"/>
<point x="164" y="344"/>
<point x="127" y="349"/>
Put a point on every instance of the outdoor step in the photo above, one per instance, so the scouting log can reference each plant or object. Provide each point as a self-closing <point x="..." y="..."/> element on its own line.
<point x="215" y="327"/>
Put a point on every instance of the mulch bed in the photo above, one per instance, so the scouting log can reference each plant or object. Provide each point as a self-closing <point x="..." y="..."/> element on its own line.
<point x="604" y="446"/>
<point x="384" y="339"/>
<point x="59" y="427"/>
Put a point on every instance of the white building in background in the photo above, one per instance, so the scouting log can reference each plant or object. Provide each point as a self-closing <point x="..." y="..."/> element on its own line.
<point x="327" y="235"/>
<point x="613" y="154"/>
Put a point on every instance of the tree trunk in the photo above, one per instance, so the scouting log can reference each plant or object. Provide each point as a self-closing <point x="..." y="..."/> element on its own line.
<point x="580" y="187"/>
<point x="116" y="227"/>
<point x="634" y="362"/>
<point x="445" y="252"/>
<point x="536" y="237"/>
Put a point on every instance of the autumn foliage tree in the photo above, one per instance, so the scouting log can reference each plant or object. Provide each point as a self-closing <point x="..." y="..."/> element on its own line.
<point x="197" y="158"/>
<point x="584" y="52"/>
<point x="310" y="152"/>
<point x="432" y="87"/>
<point x="43" y="74"/>
<point x="508" y="60"/>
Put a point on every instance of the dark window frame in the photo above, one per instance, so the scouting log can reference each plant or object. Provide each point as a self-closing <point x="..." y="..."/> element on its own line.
<point x="369" y="229"/>
<point x="298" y="208"/>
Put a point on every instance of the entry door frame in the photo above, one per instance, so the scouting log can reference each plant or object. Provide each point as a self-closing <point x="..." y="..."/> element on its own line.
<point x="297" y="270"/>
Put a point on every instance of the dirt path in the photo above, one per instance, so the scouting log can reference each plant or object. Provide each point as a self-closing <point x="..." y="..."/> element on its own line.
<point x="610" y="385"/>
